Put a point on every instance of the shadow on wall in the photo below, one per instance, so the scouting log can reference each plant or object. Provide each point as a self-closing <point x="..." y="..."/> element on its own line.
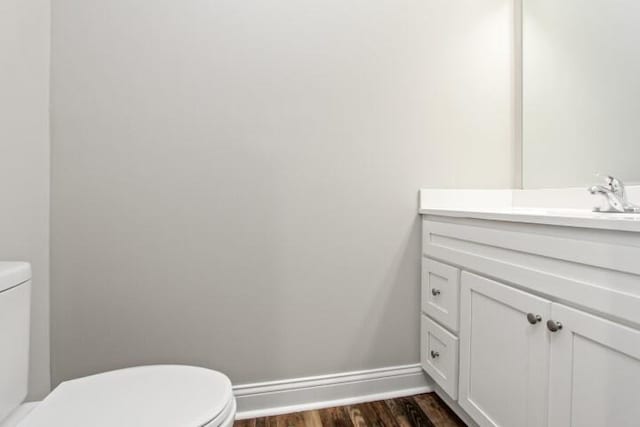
<point x="397" y="293"/>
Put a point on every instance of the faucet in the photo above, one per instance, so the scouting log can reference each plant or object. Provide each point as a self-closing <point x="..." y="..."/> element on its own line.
<point x="616" y="197"/>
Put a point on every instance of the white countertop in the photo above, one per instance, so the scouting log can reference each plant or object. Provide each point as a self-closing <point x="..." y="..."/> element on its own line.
<point x="527" y="206"/>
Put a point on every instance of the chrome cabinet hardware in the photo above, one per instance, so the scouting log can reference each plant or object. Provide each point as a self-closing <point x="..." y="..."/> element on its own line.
<point x="554" y="326"/>
<point x="534" y="318"/>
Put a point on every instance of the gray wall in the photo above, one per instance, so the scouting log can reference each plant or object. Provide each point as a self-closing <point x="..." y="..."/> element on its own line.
<point x="24" y="161"/>
<point x="235" y="183"/>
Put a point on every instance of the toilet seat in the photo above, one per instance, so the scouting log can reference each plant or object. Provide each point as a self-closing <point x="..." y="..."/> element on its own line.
<point x="148" y="396"/>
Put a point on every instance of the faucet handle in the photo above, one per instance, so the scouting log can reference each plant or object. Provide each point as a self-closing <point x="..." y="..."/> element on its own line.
<point x="608" y="179"/>
<point x="616" y="185"/>
<point x="616" y="196"/>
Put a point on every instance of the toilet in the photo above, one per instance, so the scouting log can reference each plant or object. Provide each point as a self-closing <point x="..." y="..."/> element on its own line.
<point x="144" y="396"/>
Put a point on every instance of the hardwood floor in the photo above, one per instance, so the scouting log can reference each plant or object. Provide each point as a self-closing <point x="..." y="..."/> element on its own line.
<point x="424" y="410"/>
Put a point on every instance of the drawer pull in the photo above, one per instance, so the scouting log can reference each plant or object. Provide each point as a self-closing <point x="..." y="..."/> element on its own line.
<point x="435" y="292"/>
<point x="554" y="326"/>
<point x="534" y="318"/>
<point x="434" y="354"/>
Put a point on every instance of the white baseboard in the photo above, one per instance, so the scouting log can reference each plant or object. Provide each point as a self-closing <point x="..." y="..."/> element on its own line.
<point x="303" y="394"/>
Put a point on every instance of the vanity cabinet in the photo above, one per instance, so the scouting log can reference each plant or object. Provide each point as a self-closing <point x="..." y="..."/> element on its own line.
<point x="440" y="292"/>
<point x="594" y="371"/>
<point x="504" y="353"/>
<point x="439" y="355"/>
<point x="525" y="325"/>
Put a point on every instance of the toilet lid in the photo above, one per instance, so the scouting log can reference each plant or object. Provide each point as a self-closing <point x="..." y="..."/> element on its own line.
<point x="148" y="396"/>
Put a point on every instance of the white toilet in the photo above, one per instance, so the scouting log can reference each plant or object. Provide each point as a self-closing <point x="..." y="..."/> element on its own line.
<point x="146" y="396"/>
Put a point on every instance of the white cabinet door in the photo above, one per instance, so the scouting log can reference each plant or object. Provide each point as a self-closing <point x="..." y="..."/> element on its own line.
<point x="503" y="354"/>
<point x="594" y="372"/>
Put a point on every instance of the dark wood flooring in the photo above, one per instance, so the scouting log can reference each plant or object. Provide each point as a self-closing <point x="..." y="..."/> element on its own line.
<point x="424" y="410"/>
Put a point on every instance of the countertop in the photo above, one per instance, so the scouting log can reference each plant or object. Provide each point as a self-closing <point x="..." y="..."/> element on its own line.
<point x="502" y="205"/>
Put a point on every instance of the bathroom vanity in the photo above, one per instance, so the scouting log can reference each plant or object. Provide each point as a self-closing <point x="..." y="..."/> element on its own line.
<point x="531" y="315"/>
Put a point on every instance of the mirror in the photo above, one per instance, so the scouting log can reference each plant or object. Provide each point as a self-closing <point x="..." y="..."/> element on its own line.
<point x="581" y="91"/>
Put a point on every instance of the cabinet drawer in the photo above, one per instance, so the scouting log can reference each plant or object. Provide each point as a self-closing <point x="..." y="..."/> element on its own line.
<point x="440" y="292"/>
<point x="439" y="355"/>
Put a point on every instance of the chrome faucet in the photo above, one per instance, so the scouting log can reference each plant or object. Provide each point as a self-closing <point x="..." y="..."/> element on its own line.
<point x="616" y="197"/>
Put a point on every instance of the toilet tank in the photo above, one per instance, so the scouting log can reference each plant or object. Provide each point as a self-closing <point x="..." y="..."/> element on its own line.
<point x="15" y="298"/>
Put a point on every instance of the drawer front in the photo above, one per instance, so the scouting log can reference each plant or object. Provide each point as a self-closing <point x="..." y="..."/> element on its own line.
<point x="441" y="292"/>
<point x="439" y="355"/>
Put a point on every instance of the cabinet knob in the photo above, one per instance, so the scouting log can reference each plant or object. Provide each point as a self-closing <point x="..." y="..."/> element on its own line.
<point x="434" y="354"/>
<point x="534" y="318"/>
<point x="435" y="292"/>
<point x="554" y="326"/>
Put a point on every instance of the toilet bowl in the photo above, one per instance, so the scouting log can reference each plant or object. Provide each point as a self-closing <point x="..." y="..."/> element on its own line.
<point x="162" y="395"/>
<point x="144" y="396"/>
